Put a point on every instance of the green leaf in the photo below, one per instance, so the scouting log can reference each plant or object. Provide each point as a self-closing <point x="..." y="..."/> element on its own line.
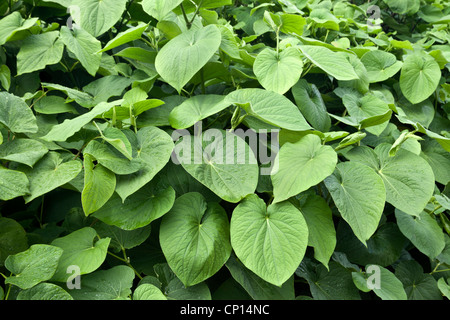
<point x="153" y="148"/>
<point x="256" y="287"/>
<point x="408" y="179"/>
<point x="139" y="209"/>
<point x="106" y="87"/>
<point x="195" y="109"/>
<point x="148" y="291"/>
<point x="259" y="103"/>
<point x="183" y="56"/>
<point x="359" y="194"/>
<point x="44" y="291"/>
<point x="13" y="184"/>
<point x="438" y="159"/>
<point x="82" y="98"/>
<point x="220" y="160"/>
<point x="53" y="105"/>
<point x="38" y="51"/>
<point x="159" y="9"/>
<point x="66" y="129"/>
<point x="278" y="72"/>
<point x="334" y="283"/>
<point x="331" y="62"/>
<point x="16" y="115"/>
<point x="13" y="238"/>
<point x="84" y="46"/>
<point x="129" y="35"/>
<point x="116" y="138"/>
<point x="12" y="24"/>
<point x="122" y="239"/>
<point x="201" y="231"/>
<point x="30" y="267"/>
<point x="309" y="100"/>
<point x="99" y="185"/>
<point x="383" y="248"/>
<point x="423" y="231"/>
<point x="98" y="16"/>
<point x="111" y="284"/>
<point x="390" y="288"/>
<point x="50" y="173"/>
<point x="403" y="6"/>
<point x="380" y="65"/>
<point x="270" y="241"/>
<point x="322" y="235"/>
<point x="444" y="287"/>
<point x="111" y="158"/>
<point x="301" y="165"/>
<point x="5" y="76"/>
<point x="418" y="285"/>
<point x="419" y="77"/>
<point x="81" y="251"/>
<point x="26" y="151"/>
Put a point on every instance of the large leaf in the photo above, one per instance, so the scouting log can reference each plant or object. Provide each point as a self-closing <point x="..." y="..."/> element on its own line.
<point x="16" y="115"/>
<point x="195" y="109"/>
<point x="159" y="8"/>
<point x="66" y="129"/>
<point x="270" y="107"/>
<point x="359" y="194"/>
<point x="322" y="235"/>
<point x="13" y="184"/>
<point x="26" y="151"/>
<point x="99" y="185"/>
<point x="44" y="291"/>
<point x="32" y="266"/>
<point x="139" y="209"/>
<point x="183" y="56"/>
<point x="309" y="100"/>
<point x="38" y="51"/>
<point x="98" y="16"/>
<point x="153" y="148"/>
<point x="111" y="158"/>
<point x="270" y="241"/>
<point x="50" y="173"/>
<point x="423" y="231"/>
<point x="380" y="65"/>
<point x="301" y="165"/>
<point x="388" y="286"/>
<point x="408" y="178"/>
<point x="111" y="284"/>
<point x="13" y="238"/>
<point x="331" y="62"/>
<point x="418" y="285"/>
<point x="201" y="231"/>
<point x="128" y="35"/>
<point x="419" y="77"/>
<point x="80" y="250"/>
<point x="278" y="71"/>
<point x="334" y="283"/>
<point x="84" y="46"/>
<point x="221" y="161"/>
<point x="12" y="24"/>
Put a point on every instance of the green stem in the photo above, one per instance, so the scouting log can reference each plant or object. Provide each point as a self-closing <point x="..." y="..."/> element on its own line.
<point x="188" y="23"/>
<point x="7" y="292"/>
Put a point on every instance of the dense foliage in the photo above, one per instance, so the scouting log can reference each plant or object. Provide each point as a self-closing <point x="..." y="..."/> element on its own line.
<point x="219" y="149"/>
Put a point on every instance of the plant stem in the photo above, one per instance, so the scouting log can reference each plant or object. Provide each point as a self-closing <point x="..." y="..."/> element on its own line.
<point x="188" y="23"/>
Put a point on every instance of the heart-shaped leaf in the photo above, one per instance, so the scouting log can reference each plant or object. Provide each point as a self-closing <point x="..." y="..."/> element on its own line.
<point x="270" y="241"/>
<point x="183" y="56"/>
<point x="201" y="231"/>
<point x="301" y="165"/>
